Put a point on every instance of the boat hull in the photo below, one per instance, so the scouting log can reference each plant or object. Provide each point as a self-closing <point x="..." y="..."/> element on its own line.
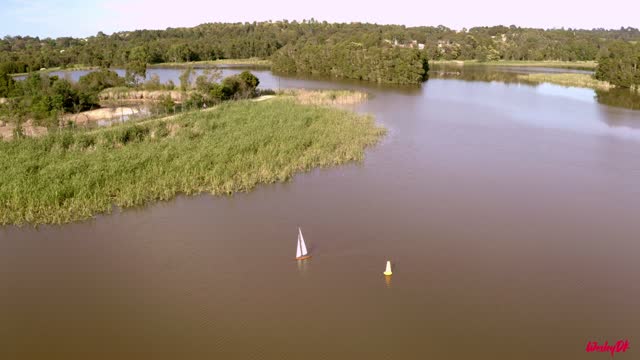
<point x="303" y="257"/>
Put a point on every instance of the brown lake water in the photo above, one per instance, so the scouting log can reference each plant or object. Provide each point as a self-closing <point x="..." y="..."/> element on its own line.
<point x="510" y="212"/>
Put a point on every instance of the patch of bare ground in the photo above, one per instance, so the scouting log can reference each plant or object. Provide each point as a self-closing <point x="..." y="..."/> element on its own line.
<point x="7" y="130"/>
<point x="86" y="117"/>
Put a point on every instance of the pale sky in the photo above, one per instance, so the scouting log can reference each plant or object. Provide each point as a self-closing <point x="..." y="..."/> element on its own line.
<point x="80" y="18"/>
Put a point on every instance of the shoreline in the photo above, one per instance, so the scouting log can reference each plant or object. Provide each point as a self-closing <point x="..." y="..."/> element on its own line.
<point x="58" y="68"/>
<point x="567" y="79"/>
<point x="257" y="62"/>
<point x="251" y="62"/>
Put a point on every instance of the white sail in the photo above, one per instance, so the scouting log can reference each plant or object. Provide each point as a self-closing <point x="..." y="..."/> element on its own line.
<point x="303" y="247"/>
<point x="298" y="248"/>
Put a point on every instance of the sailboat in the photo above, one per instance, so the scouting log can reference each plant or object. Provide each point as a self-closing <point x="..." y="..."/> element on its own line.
<point x="301" y="250"/>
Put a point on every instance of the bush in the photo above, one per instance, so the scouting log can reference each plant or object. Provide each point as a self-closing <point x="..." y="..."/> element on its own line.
<point x="96" y="81"/>
<point x="130" y="134"/>
<point x="85" y="141"/>
<point x="164" y="104"/>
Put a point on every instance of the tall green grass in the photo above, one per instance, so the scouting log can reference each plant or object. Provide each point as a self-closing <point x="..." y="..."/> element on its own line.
<point x="73" y="175"/>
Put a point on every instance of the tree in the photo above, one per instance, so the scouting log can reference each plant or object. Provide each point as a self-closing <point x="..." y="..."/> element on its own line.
<point x="6" y="82"/>
<point x="136" y="68"/>
<point x="185" y="78"/>
<point x="249" y="80"/>
<point x="96" y="81"/>
<point x="622" y="66"/>
<point x="134" y="72"/>
<point x="208" y="78"/>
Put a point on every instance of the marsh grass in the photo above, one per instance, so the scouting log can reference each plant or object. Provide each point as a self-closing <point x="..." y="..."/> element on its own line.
<point x="584" y="65"/>
<point x="326" y="97"/>
<point x="72" y="175"/>
<point x="568" y="79"/>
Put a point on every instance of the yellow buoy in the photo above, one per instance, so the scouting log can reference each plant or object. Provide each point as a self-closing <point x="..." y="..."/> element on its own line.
<point x="387" y="271"/>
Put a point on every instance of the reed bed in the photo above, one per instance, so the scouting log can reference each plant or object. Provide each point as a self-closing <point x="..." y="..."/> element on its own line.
<point x="576" y="80"/>
<point x="584" y="65"/>
<point x="124" y="93"/>
<point x="72" y="175"/>
<point x="326" y="97"/>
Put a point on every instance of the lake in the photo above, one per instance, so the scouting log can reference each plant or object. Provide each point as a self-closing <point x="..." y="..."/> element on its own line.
<point x="509" y="212"/>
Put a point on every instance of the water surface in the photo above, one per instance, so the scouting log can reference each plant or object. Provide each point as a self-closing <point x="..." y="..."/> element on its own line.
<point x="509" y="211"/>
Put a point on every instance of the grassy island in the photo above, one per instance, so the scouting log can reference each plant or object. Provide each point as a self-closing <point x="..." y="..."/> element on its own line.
<point x="72" y="175"/>
<point x="580" y="65"/>
<point x="569" y="79"/>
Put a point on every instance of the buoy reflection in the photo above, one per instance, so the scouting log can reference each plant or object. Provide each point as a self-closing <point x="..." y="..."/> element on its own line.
<point x="387" y="280"/>
<point x="302" y="266"/>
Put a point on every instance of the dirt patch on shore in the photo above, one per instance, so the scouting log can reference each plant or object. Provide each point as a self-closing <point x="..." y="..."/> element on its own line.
<point x="104" y="114"/>
<point x="28" y="129"/>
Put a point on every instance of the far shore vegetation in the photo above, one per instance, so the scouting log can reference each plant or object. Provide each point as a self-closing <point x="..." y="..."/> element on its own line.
<point x="72" y="174"/>
<point x="257" y="62"/>
<point x="372" y="52"/>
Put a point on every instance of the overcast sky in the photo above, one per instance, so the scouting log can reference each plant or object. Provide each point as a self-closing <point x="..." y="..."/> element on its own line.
<point x="80" y="18"/>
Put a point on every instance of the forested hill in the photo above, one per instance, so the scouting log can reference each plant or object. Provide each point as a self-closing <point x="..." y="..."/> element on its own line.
<point x="219" y="41"/>
<point x="381" y="53"/>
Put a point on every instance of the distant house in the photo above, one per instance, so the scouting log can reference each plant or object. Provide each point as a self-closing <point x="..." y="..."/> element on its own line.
<point x="412" y="45"/>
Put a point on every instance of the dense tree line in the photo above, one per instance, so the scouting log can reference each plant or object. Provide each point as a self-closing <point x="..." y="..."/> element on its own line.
<point x="621" y="66"/>
<point x="243" y="40"/>
<point x="353" y="61"/>
<point x="382" y="53"/>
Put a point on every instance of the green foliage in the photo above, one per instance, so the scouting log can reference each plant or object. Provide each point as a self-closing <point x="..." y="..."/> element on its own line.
<point x="249" y="80"/>
<point x="136" y="65"/>
<point x="241" y="86"/>
<point x="185" y="78"/>
<point x="352" y="61"/>
<point x="18" y="133"/>
<point x="96" y="81"/>
<point x="621" y="67"/>
<point x="205" y="82"/>
<point x="7" y="84"/>
<point x="164" y="105"/>
<point x="44" y="98"/>
<point x="135" y="71"/>
<point x="72" y="175"/>
<point x="215" y="41"/>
